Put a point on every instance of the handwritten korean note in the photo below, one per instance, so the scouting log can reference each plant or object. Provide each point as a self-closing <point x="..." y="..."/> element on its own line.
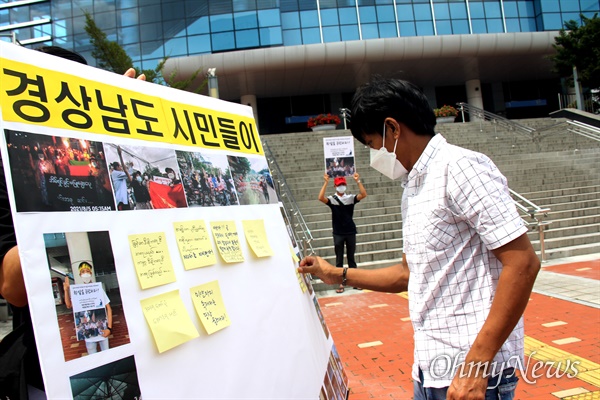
<point x="256" y="236"/>
<point x="210" y="307"/>
<point x="227" y="241"/>
<point x="194" y="244"/>
<point x="294" y="256"/>
<point x="169" y="321"/>
<point x="151" y="259"/>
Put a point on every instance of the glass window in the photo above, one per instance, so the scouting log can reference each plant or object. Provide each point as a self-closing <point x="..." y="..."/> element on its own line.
<point x="550" y="6"/>
<point x="385" y="13"/>
<point x="443" y="27"/>
<point x="476" y="10"/>
<point x="269" y="18"/>
<point x="173" y="10"/>
<point x="106" y="20"/>
<point x="173" y="28"/>
<point x="147" y="14"/>
<point x="289" y="5"/>
<point x="348" y="15"/>
<point x="479" y="26"/>
<point x="424" y="28"/>
<point x="552" y="21"/>
<point x="525" y="8"/>
<point x="153" y="49"/>
<point x="442" y="11"/>
<point x="290" y="20"/>
<point x="458" y="10"/>
<point x="133" y="50"/>
<point x="309" y="18"/>
<point x="311" y="35"/>
<point x="126" y="3"/>
<point x="405" y="12"/>
<point x="221" y="23"/>
<point x="292" y="37"/>
<point x="422" y="12"/>
<point x="460" y="26"/>
<point x="80" y="6"/>
<point x="199" y="26"/>
<point x="495" y="25"/>
<point x="61" y="9"/>
<point x="307" y="5"/>
<point x="329" y="17"/>
<point x="270" y="36"/>
<point x="589" y="5"/>
<point x="245" y="20"/>
<point x="492" y="10"/>
<point x="42" y="10"/>
<point x="247" y="38"/>
<point x="129" y="34"/>
<point x="223" y="41"/>
<point x="528" y="25"/>
<point x="331" y="34"/>
<point x="244" y="5"/>
<point x="388" y="30"/>
<point x="198" y="44"/>
<point x="149" y="64"/>
<point x="369" y="31"/>
<point x="572" y="16"/>
<point x="510" y="9"/>
<point x="151" y="31"/>
<point x="176" y="47"/>
<point x="349" y="32"/>
<point x="367" y="15"/>
<point x="130" y="17"/>
<point x="512" y="25"/>
<point x="266" y="4"/>
<point x="407" y="29"/>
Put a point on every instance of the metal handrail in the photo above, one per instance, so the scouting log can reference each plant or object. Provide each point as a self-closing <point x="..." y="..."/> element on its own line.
<point x="585" y="130"/>
<point x="482" y="115"/>
<point x="537" y="214"/>
<point x="291" y="208"/>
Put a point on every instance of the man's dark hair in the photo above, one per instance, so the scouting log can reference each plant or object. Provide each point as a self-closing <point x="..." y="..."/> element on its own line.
<point x="62" y="53"/>
<point x="381" y="98"/>
<point x="116" y="164"/>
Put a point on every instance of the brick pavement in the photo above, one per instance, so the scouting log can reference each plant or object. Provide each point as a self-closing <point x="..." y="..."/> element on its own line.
<point x="555" y="329"/>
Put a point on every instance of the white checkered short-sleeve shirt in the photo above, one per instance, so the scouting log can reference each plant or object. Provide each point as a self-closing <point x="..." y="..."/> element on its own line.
<point x="456" y="208"/>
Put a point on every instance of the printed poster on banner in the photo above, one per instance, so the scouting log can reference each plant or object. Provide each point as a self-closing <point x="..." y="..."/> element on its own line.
<point x="151" y="233"/>
<point x="339" y="156"/>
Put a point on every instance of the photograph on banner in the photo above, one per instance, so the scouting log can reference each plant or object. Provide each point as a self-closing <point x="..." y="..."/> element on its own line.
<point x="329" y="387"/>
<point x="207" y="179"/>
<point x="115" y="380"/>
<point x="339" y="156"/>
<point x="337" y="362"/>
<point x="86" y="292"/>
<point x="321" y="318"/>
<point x="253" y="180"/>
<point x="52" y="173"/>
<point x="144" y="177"/>
<point x="336" y="380"/>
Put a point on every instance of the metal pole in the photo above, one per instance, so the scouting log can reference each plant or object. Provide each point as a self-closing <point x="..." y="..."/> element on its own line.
<point x="577" y="89"/>
<point x="213" y="83"/>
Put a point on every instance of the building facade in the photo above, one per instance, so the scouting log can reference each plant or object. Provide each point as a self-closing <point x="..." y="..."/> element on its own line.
<point x="290" y="59"/>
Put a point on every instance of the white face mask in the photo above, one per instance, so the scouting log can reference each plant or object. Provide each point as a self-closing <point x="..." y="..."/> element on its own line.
<point x="171" y="175"/>
<point x="386" y="163"/>
<point x="341" y="189"/>
<point x="87" y="278"/>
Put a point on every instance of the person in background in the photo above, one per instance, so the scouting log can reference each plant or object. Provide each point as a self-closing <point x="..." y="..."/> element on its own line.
<point x="342" y="212"/>
<point x="140" y="191"/>
<point x="468" y="265"/>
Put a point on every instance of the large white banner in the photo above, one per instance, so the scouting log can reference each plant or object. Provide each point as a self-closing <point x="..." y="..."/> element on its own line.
<point x="158" y="208"/>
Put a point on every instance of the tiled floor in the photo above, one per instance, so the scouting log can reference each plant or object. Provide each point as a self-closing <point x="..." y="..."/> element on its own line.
<point x="373" y="335"/>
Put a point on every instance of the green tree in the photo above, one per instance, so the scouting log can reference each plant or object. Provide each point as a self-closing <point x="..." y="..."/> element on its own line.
<point x="112" y="57"/>
<point x="578" y="46"/>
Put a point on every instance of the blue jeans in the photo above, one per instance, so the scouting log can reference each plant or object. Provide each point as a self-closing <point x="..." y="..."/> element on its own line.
<point x="503" y="390"/>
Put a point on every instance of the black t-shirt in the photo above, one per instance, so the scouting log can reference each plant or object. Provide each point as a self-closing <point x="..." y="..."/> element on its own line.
<point x="342" y="210"/>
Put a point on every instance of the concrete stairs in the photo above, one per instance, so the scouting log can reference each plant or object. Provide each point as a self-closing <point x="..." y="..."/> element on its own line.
<point x="560" y="171"/>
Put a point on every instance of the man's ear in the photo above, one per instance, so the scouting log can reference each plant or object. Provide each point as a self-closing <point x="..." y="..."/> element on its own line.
<point x="393" y="127"/>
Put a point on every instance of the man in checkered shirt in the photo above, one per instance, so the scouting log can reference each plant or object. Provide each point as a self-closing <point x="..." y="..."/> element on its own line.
<point x="466" y="251"/>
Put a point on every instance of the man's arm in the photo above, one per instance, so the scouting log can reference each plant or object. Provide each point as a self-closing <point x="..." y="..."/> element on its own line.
<point x="362" y="192"/>
<point x="109" y="321"/>
<point x="12" y="285"/>
<point x="392" y="279"/>
<point x="520" y="266"/>
<point x="322" y="197"/>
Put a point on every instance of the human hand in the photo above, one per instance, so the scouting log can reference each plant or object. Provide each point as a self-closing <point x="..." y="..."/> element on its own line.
<point x="106" y="333"/>
<point x="471" y="386"/>
<point x="326" y="178"/>
<point x="320" y="268"/>
<point x="66" y="284"/>
<point x="130" y="73"/>
<point x="356" y="176"/>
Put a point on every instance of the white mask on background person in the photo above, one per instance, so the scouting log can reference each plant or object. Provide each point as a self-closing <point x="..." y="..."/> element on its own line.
<point x="138" y="178"/>
<point x="341" y="189"/>
<point x="86" y="278"/>
<point x="171" y="175"/>
<point x="386" y="163"/>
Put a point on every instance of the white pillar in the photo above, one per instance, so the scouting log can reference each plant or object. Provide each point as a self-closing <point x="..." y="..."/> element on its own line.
<point x="474" y="97"/>
<point x="79" y="250"/>
<point x="250" y="100"/>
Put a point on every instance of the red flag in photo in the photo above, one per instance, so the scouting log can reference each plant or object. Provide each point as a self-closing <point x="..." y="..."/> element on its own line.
<point x="164" y="196"/>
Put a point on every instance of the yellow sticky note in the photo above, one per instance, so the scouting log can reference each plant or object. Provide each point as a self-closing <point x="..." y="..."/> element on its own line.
<point x="294" y="256"/>
<point x="256" y="236"/>
<point x="151" y="259"/>
<point x="300" y="281"/>
<point x="169" y="321"/>
<point x="210" y="307"/>
<point x="194" y="244"/>
<point x="227" y="241"/>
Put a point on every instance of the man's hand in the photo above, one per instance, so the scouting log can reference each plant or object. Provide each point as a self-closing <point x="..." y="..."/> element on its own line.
<point x="130" y="73"/>
<point x="356" y="176"/>
<point x="326" y="178"/>
<point x="472" y="386"/>
<point x="321" y="269"/>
